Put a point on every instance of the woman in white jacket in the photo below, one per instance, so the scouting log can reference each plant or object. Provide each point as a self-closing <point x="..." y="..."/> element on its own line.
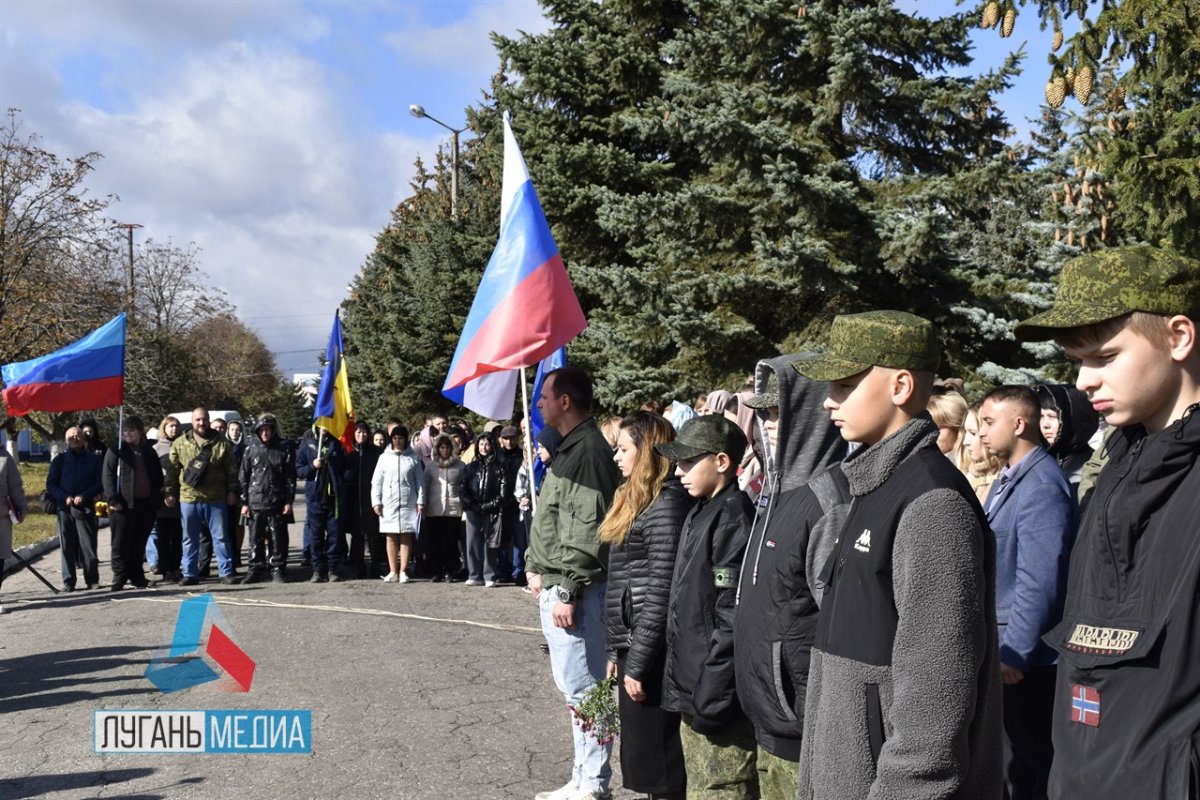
<point x="443" y="519"/>
<point x="398" y="497"/>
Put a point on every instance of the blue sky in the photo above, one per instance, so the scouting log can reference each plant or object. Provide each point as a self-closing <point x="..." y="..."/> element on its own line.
<point x="275" y="134"/>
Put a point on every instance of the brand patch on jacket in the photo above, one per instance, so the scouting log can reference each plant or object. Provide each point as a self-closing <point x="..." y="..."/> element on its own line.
<point x="764" y="500"/>
<point x="770" y="544"/>
<point x="863" y="543"/>
<point x="1101" y="641"/>
<point x="1085" y="705"/>
<point x="725" y="577"/>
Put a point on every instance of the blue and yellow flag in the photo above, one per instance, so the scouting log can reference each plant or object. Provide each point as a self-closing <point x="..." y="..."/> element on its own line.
<point x="334" y="412"/>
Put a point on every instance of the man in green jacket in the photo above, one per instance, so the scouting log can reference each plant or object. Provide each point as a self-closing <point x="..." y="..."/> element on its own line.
<point x="567" y="566"/>
<point x="202" y="477"/>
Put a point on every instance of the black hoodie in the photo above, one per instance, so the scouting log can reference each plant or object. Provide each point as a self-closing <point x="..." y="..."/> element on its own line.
<point x="1077" y="423"/>
<point x="1127" y="707"/>
<point x="776" y="607"/>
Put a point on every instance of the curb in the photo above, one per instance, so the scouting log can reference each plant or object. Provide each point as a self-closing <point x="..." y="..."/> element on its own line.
<point x="29" y="552"/>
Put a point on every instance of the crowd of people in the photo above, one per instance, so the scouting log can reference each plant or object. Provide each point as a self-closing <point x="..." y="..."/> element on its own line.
<point x="848" y="579"/>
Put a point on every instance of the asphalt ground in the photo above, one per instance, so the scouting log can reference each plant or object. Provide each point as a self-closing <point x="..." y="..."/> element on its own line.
<point x="417" y="690"/>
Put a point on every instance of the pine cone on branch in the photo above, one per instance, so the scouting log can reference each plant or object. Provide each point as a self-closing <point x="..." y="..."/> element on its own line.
<point x="1010" y="21"/>
<point x="1056" y="91"/>
<point x="1083" y="85"/>
<point x="1057" y="41"/>
<point x="991" y="15"/>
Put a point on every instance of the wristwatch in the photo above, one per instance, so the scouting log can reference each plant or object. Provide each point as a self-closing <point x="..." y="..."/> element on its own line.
<point x="563" y="595"/>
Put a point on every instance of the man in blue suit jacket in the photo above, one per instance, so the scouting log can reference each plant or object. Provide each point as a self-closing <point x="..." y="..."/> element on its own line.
<point x="1032" y="512"/>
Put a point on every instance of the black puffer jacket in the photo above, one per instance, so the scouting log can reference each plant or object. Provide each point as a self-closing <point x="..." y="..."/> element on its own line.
<point x="267" y="476"/>
<point x="639" y="581"/>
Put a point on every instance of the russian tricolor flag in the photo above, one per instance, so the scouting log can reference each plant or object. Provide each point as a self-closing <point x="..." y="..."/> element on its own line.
<point x="525" y="307"/>
<point x="84" y="375"/>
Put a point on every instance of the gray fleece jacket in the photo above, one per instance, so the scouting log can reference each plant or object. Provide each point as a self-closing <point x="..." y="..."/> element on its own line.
<point x="904" y="685"/>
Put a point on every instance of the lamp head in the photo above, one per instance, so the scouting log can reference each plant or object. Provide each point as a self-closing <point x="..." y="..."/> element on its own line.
<point x="416" y="110"/>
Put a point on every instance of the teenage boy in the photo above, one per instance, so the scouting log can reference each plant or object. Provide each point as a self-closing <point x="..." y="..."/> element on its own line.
<point x="698" y="682"/>
<point x="1126" y="715"/>
<point x="904" y="681"/>
<point x="776" y="601"/>
<point x="1031" y="510"/>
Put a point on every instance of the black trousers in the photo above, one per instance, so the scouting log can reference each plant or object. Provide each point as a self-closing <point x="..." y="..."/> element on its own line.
<point x="1028" y="715"/>
<point x="441" y="535"/>
<point x="130" y="529"/>
<point x="651" y="752"/>
<point x="170" y="544"/>
<point x="268" y="540"/>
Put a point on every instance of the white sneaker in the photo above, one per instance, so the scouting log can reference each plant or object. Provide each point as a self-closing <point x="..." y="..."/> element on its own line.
<point x="566" y="792"/>
<point x="590" y="794"/>
<point x="489" y="584"/>
<point x="473" y="582"/>
<point x="389" y="578"/>
<point x="404" y="577"/>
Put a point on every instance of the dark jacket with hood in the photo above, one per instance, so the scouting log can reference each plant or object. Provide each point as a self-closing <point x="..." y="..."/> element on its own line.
<point x="904" y="682"/>
<point x="795" y="526"/>
<point x="1127" y="708"/>
<point x="698" y="680"/>
<point x="267" y="473"/>
<point x="362" y="461"/>
<point x="324" y="487"/>
<point x="485" y="490"/>
<point x="1077" y="424"/>
<point x="639" y="582"/>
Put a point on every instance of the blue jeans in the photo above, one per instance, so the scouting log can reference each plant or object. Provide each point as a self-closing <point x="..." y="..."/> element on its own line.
<point x="578" y="661"/>
<point x="212" y="515"/>
<point x="324" y="532"/>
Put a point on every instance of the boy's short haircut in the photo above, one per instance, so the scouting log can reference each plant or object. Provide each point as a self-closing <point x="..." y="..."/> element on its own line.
<point x="1116" y="283"/>
<point x="1152" y="327"/>
<point x="575" y="383"/>
<point x="1022" y="397"/>
<point x="706" y="435"/>
<point x="892" y="339"/>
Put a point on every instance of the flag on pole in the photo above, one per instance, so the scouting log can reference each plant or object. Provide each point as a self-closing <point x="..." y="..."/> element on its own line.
<point x="525" y="307"/>
<point x="84" y="375"/>
<point x="550" y="363"/>
<point x="333" y="411"/>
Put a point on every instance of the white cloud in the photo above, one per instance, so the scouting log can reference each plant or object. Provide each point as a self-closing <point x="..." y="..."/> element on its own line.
<point x="464" y="46"/>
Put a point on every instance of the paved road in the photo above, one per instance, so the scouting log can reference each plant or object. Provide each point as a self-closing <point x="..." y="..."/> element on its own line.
<point x="420" y="690"/>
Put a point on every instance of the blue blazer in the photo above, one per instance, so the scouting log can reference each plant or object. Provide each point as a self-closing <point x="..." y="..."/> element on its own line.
<point x="1034" y="521"/>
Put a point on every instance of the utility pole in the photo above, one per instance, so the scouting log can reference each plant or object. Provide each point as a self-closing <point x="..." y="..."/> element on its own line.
<point x="129" y="226"/>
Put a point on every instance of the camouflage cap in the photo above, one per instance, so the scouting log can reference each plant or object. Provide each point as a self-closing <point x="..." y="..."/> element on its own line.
<point x="858" y="342"/>
<point x="768" y="397"/>
<point x="1110" y="283"/>
<point x="705" y="435"/>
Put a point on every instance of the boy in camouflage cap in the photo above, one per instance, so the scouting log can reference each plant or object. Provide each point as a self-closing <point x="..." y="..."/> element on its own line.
<point x="698" y="682"/>
<point x="1127" y="680"/>
<point x="904" y="681"/>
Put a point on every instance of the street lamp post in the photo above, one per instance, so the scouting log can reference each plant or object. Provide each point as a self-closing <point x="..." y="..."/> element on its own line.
<point x="129" y="226"/>
<point x="419" y="111"/>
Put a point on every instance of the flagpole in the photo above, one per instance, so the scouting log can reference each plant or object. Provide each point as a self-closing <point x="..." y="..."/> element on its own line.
<point x="528" y="443"/>
<point x="120" y="428"/>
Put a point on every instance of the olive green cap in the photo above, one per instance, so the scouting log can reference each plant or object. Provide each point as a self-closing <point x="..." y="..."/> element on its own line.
<point x="705" y="435"/>
<point x="857" y="342"/>
<point x="1110" y="283"/>
<point x="768" y="397"/>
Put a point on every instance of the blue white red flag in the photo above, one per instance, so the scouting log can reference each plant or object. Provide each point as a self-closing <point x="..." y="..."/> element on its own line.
<point x="525" y="307"/>
<point x="550" y="363"/>
<point x="333" y="411"/>
<point x="84" y="375"/>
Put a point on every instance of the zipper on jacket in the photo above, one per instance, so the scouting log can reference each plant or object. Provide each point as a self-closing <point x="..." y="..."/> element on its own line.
<point x="1130" y="462"/>
<point x="762" y="537"/>
<point x="835" y="572"/>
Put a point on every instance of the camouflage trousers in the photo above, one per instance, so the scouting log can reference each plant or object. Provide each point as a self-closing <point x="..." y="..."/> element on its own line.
<point x="778" y="778"/>
<point x="720" y="766"/>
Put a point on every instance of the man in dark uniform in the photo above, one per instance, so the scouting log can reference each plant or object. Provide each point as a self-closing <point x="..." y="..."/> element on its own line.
<point x="1127" y="703"/>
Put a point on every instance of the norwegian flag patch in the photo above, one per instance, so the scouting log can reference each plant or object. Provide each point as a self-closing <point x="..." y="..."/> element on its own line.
<point x="1085" y="705"/>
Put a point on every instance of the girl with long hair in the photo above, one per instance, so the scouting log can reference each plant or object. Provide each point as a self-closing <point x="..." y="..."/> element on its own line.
<point x="973" y="458"/>
<point x="643" y="528"/>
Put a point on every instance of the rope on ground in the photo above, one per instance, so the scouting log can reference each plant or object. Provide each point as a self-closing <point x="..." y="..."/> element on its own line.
<point x="373" y="612"/>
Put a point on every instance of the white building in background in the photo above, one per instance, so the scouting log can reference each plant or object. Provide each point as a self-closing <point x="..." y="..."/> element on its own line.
<point x="31" y="448"/>
<point x="307" y="384"/>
